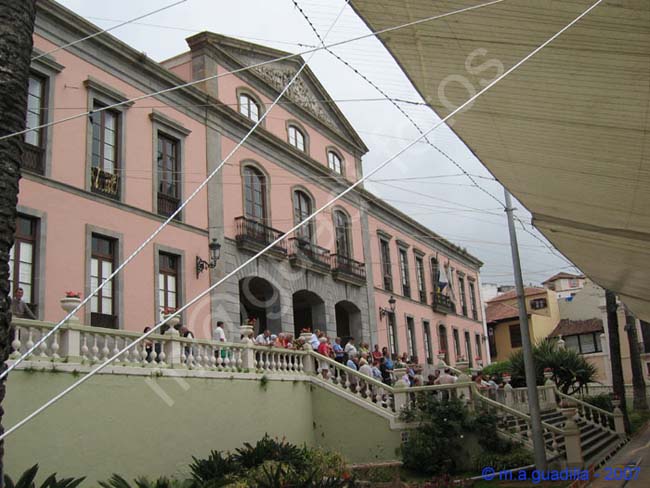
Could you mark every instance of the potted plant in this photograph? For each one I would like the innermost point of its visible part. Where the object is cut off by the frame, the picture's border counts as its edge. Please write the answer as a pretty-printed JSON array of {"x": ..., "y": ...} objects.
[
  {"x": 71, "y": 300},
  {"x": 173, "y": 321},
  {"x": 548, "y": 373},
  {"x": 247, "y": 329},
  {"x": 305, "y": 334},
  {"x": 506, "y": 377},
  {"x": 478, "y": 361}
]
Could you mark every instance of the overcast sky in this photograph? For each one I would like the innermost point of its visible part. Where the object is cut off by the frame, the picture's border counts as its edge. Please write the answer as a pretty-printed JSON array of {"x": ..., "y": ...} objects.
[{"x": 438, "y": 194}]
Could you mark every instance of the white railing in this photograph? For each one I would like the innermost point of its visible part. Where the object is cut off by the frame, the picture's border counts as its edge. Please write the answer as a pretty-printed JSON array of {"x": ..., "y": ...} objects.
[
  {"x": 75, "y": 343},
  {"x": 517, "y": 398},
  {"x": 590, "y": 413},
  {"x": 363, "y": 387},
  {"x": 517, "y": 426},
  {"x": 274, "y": 360}
]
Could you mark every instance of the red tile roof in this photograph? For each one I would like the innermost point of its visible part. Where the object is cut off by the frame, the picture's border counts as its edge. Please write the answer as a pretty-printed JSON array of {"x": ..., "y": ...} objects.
[
  {"x": 500, "y": 311},
  {"x": 567, "y": 327},
  {"x": 562, "y": 275},
  {"x": 513, "y": 294}
]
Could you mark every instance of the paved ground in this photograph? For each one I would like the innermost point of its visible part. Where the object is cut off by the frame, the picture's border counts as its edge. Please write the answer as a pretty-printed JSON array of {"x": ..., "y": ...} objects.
[{"x": 636, "y": 453}]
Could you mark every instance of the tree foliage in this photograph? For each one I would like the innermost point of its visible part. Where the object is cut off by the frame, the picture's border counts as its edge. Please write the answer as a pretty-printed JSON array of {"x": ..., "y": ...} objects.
[{"x": 571, "y": 371}]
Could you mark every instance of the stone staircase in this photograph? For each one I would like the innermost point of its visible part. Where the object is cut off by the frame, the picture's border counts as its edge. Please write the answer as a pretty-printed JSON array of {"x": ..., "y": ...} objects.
[
  {"x": 598, "y": 443},
  {"x": 594, "y": 435}
]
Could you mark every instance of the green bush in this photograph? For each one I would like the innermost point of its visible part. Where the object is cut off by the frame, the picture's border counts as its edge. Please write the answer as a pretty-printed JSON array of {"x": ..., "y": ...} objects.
[
  {"x": 269, "y": 463},
  {"x": 484, "y": 425},
  {"x": 268, "y": 449},
  {"x": 116, "y": 481},
  {"x": 435, "y": 447},
  {"x": 28, "y": 480},
  {"x": 497, "y": 369},
  {"x": 217, "y": 466},
  {"x": 515, "y": 458},
  {"x": 602, "y": 400}
]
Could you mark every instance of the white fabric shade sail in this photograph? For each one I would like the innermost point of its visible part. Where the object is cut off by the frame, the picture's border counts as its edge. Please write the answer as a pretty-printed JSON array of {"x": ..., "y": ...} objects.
[{"x": 568, "y": 133}]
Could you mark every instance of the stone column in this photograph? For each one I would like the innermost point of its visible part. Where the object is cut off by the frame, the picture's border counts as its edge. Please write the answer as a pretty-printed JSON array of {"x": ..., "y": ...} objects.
[
  {"x": 619, "y": 420},
  {"x": 310, "y": 362},
  {"x": 572, "y": 444},
  {"x": 71, "y": 345},
  {"x": 174, "y": 352}
]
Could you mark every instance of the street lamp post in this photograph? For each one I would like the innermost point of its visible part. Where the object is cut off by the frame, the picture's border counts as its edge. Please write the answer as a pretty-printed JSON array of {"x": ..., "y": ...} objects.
[{"x": 539, "y": 450}]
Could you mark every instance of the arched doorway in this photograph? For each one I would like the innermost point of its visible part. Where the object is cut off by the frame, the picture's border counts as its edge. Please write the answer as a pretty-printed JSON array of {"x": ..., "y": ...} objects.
[
  {"x": 348, "y": 321},
  {"x": 308, "y": 311},
  {"x": 259, "y": 299}
]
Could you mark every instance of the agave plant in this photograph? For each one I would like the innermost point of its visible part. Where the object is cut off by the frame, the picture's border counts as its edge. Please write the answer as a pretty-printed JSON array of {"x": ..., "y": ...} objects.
[
  {"x": 571, "y": 371},
  {"x": 27, "y": 480},
  {"x": 116, "y": 481},
  {"x": 268, "y": 449},
  {"x": 217, "y": 470}
]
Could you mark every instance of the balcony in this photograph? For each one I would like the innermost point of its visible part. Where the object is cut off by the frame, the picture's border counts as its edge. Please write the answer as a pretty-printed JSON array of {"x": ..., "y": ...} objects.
[
  {"x": 255, "y": 236},
  {"x": 104, "y": 183},
  {"x": 304, "y": 254},
  {"x": 348, "y": 270},
  {"x": 442, "y": 303},
  {"x": 167, "y": 205},
  {"x": 33, "y": 159}
]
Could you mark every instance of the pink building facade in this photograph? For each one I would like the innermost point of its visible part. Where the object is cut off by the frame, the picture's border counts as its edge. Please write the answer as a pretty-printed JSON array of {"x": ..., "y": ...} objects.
[{"x": 95, "y": 187}]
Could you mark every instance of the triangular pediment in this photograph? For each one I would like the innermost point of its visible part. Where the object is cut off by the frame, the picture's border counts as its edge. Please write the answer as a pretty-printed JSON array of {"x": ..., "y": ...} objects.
[{"x": 305, "y": 92}]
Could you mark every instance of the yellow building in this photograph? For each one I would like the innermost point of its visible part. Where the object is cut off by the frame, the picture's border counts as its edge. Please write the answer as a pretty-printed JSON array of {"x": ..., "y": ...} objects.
[{"x": 502, "y": 316}]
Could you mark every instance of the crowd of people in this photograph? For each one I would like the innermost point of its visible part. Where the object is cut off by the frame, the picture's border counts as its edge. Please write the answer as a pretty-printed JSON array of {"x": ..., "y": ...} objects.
[
  {"x": 375, "y": 363},
  {"x": 390, "y": 369}
]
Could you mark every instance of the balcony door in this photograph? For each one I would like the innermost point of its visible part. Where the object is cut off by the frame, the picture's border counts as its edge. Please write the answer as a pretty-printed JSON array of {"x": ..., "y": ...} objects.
[{"x": 255, "y": 194}]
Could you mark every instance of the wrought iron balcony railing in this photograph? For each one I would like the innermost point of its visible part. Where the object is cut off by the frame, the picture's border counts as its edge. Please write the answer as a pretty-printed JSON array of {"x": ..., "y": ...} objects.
[
  {"x": 442, "y": 303},
  {"x": 167, "y": 205},
  {"x": 300, "y": 248},
  {"x": 33, "y": 159},
  {"x": 348, "y": 267},
  {"x": 104, "y": 183},
  {"x": 251, "y": 232}
]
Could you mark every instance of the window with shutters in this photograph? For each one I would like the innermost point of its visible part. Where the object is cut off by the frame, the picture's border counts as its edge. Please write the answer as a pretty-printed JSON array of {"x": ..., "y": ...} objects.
[
  {"x": 404, "y": 272},
  {"x": 105, "y": 168},
  {"x": 22, "y": 260},
  {"x": 255, "y": 194},
  {"x": 102, "y": 262},
  {"x": 35, "y": 140},
  {"x": 386, "y": 265},
  {"x": 168, "y": 282},
  {"x": 419, "y": 271},
  {"x": 302, "y": 208}
]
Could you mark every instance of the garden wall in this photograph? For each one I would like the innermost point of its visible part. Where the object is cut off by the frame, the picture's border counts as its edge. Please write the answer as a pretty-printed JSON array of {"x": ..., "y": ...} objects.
[{"x": 152, "y": 426}]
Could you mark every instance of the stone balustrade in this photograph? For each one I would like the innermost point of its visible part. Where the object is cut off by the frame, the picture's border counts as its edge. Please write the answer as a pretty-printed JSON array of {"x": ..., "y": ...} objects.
[
  {"x": 518, "y": 426},
  {"x": 88, "y": 346},
  {"x": 517, "y": 398}
]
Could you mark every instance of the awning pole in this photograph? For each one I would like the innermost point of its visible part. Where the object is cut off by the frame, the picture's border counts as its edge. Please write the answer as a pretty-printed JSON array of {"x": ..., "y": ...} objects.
[{"x": 539, "y": 450}]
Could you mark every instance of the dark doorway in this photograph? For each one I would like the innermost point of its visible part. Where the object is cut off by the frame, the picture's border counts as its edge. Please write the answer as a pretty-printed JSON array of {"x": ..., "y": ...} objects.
[
  {"x": 468, "y": 348},
  {"x": 308, "y": 311},
  {"x": 348, "y": 321},
  {"x": 444, "y": 343},
  {"x": 260, "y": 300}
]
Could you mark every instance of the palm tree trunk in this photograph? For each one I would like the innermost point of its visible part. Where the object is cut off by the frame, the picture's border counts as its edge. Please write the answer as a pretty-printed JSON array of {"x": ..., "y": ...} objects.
[
  {"x": 618, "y": 383},
  {"x": 16, "y": 30},
  {"x": 640, "y": 400}
]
